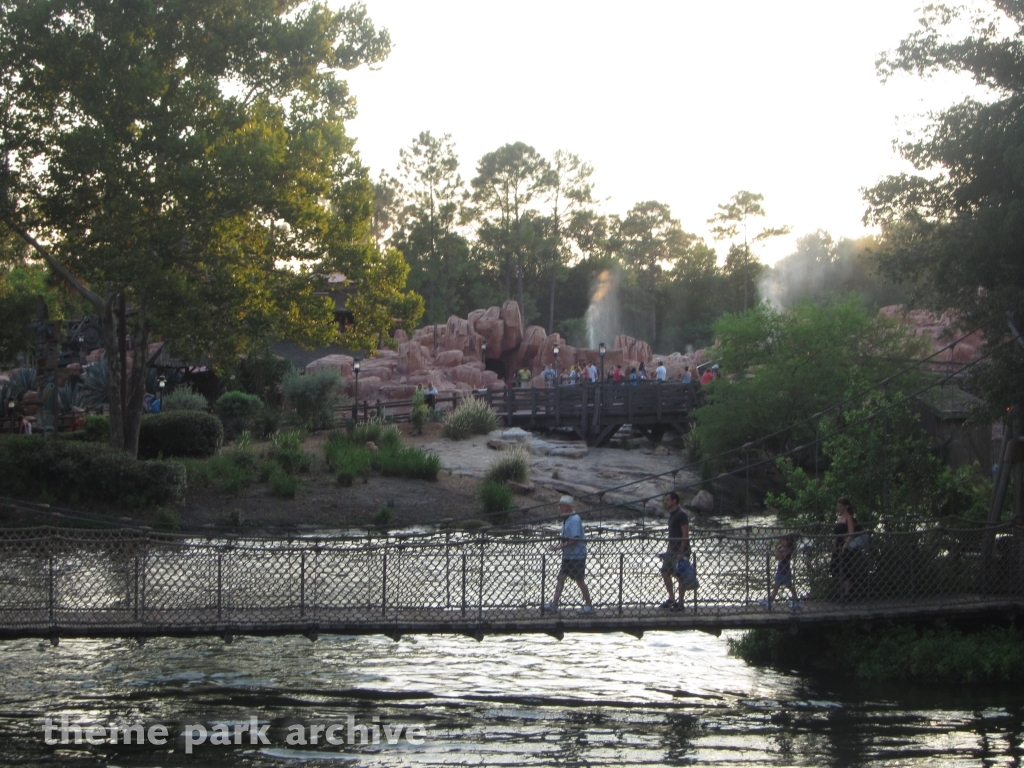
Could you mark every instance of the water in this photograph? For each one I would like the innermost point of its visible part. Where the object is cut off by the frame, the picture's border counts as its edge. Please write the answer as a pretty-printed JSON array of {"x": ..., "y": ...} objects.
[
  {"x": 596, "y": 700},
  {"x": 602, "y": 316}
]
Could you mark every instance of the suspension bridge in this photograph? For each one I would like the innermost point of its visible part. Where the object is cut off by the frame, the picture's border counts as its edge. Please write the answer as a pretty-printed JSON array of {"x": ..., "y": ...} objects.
[{"x": 62, "y": 583}]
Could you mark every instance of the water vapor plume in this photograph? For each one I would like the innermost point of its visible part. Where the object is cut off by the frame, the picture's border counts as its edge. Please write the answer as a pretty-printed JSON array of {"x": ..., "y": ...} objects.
[{"x": 603, "y": 320}]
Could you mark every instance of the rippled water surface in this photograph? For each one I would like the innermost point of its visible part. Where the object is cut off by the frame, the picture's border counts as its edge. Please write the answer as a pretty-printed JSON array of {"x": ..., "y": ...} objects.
[{"x": 666, "y": 699}]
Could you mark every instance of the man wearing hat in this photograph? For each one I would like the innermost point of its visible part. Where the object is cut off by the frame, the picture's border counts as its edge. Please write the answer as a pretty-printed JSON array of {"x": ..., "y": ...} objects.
[{"x": 574, "y": 555}]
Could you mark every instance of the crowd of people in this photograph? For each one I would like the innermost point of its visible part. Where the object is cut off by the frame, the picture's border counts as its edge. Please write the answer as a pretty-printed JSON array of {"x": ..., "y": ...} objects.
[
  {"x": 589, "y": 374},
  {"x": 677, "y": 568}
]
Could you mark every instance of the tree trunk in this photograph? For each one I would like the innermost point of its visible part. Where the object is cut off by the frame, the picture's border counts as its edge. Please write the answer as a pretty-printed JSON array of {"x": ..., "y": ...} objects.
[
  {"x": 126, "y": 388},
  {"x": 551, "y": 306}
]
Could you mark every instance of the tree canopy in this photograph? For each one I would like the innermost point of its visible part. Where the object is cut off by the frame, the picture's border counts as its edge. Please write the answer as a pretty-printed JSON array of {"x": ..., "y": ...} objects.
[
  {"x": 185, "y": 167},
  {"x": 956, "y": 227}
]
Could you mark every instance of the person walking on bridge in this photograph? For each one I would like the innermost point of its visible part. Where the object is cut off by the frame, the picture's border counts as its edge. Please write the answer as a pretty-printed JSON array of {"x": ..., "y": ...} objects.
[
  {"x": 678, "y": 548},
  {"x": 574, "y": 555}
]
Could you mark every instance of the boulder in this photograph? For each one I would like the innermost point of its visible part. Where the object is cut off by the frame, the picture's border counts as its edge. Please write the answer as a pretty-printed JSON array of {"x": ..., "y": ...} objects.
[
  {"x": 369, "y": 388},
  {"x": 938, "y": 331},
  {"x": 401, "y": 336},
  {"x": 533, "y": 340},
  {"x": 492, "y": 330},
  {"x": 564, "y": 450},
  {"x": 703, "y": 502},
  {"x": 412, "y": 357},
  {"x": 467, "y": 374},
  {"x": 633, "y": 349},
  {"x": 487, "y": 378},
  {"x": 396, "y": 391},
  {"x": 546, "y": 355},
  {"x": 340, "y": 363},
  {"x": 500, "y": 439},
  {"x": 512, "y": 319},
  {"x": 449, "y": 358},
  {"x": 520, "y": 489}
]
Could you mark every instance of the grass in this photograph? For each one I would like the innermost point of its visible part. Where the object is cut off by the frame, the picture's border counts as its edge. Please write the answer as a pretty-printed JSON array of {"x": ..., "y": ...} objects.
[
  {"x": 496, "y": 497},
  {"x": 282, "y": 484},
  {"x": 513, "y": 464},
  {"x": 227, "y": 472},
  {"x": 349, "y": 458},
  {"x": 472, "y": 417}
]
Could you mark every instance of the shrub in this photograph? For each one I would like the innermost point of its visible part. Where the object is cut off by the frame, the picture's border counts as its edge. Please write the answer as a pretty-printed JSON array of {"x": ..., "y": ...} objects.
[
  {"x": 228, "y": 475},
  {"x": 513, "y": 464},
  {"x": 382, "y": 434},
  {"x": 61, "y": 470},
  {"x": 282, "y": 484},
  {"x": 180, "y": 433},
  {"x": 418, "y": 417},
  {"x": 415, "y": 463},
  {"x": 95, "y": 430},
  {"x": 95, "y": 382},
  {"x": 183, "y": 398},
  {"x": 496, "y": 497},
  {"x": 237, "y": 411},
  {"x": 316, "y": 397},
  {"x": 347, "y": 459},
  {"x": 268, "y": 421},
  {"x": 385, "y": 514},
  {"x": 472, "y": 417},
  {"x": 292, "y": 461}
]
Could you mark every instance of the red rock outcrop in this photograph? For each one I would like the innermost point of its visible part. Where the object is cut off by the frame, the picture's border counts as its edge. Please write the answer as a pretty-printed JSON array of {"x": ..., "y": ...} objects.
[
  {"x": 633, "y": 349},
  {"x": 939, "y": 331}
]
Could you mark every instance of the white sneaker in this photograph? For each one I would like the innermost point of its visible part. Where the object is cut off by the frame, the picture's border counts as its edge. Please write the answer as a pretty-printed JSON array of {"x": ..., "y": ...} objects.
[
  {"x": 794, "y": 605},
  {"x": 764, "y": 603},
  {"x": 549, "y": 607},
  {"x": 587, "y": 609}
]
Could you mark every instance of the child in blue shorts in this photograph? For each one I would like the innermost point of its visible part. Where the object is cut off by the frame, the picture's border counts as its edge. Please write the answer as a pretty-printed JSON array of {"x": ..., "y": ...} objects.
[{"x": 783, "y": 572}]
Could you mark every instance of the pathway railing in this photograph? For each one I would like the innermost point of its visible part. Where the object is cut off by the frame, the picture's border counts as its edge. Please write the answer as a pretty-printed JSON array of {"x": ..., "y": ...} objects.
[{"x": 60, "y": 581}]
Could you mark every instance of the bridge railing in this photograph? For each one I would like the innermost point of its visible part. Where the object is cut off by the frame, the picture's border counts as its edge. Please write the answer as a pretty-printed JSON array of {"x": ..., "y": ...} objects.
[{"x": 56, "y": 580}]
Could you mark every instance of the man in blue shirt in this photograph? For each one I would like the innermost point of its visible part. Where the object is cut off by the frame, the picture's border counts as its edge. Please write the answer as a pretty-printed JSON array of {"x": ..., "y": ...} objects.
[{"x": 574, "y": 555}]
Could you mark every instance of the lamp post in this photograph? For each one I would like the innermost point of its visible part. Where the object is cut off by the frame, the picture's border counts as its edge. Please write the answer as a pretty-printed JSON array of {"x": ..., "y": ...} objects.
[
  {"x": 554, "y": 351},
  {"x": 11, "y": 405},
  {"x": 483, "y": 352},
  {"x": 161, "y": 383},
  {"x": 601, "y": 349},
  {"x": 355, "y": 394}
]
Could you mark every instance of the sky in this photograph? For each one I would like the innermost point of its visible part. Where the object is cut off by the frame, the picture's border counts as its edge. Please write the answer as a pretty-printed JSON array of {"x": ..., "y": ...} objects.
[{"x": 681, "y": 102}]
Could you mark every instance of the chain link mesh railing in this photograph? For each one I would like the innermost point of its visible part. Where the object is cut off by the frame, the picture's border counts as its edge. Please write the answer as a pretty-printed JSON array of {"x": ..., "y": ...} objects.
[{"x": 61, "y": 581}]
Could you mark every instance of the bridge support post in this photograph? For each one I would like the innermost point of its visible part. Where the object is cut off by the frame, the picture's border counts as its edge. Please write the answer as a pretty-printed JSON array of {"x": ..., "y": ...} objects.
[
  {"x": 220, "y": 585},
  {"x": 302, "y": 585},
  {"x": 463, "y": 583},
  {"x": 384, "y": 584},
  {"x": 543, "y": 581},
  {"x": 622, "y": 561}
]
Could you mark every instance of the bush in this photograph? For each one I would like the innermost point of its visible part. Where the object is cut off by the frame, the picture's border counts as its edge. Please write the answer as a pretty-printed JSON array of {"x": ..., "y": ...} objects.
[
  {"x": 286, "y": 451},
  {"x": 237, "y": 411},
  {"x": 496, "y": 497},
  {"x": 282, "y": 484},
  {"x": 268, "y": 421},
  {"x": 377, "y": 431},
  {"x": 513, "y": 464},
  {"x": 180, "y": 433},
  {"x": 228, "y": 475},
  {"x": 347, "y": 459},
  {"x": 472, "y": 417},
  {"x": 95, "y": 430},
  {"x": 75, "y": 473},
  {"x": 183, "y": 398},
  {"x": 415, "y": 463},
  {"x": 316, "y": 397},
  {"x": 384, "y": 515}
]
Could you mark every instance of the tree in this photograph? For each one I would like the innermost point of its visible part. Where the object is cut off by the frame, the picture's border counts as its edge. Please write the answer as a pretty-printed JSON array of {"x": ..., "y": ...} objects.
[
  {"x": 570, "y": 193},
  {"x": 507, "y": 182},
  {"x": 380, "y": 303},
  {"x": 788, "y": 365},
  {"x": 184, "y": 167},
  {"x": 956, "y": 228},
  {"x": 433, "y": 194},
  {"x": 648, "y": 240},
  {"x": 731, "y": 220}
]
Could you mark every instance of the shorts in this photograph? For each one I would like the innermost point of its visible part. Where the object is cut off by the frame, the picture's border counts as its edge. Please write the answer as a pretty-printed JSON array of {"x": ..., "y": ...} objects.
[
  {"x": 669, "y": 560},
  {"x": 574, "y": 569},
  {"x": 784, "y": 579}
]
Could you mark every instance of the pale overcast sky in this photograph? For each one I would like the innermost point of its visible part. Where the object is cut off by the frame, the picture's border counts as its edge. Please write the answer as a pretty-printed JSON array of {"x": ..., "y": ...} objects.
[{"x": 682, "y": 102}]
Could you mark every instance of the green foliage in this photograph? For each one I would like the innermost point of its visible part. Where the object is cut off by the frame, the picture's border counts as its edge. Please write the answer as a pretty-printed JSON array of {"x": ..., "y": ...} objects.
[
  {"x": 167, "y": 520},
  {"x": 415, "y": 463},
  {"x": 96, "y": 429},
  {"x": 954, "y": 229},
  {"x": 283, "y": 484},
  {"x": 77, "y": 473},
  {"x": 376, "y": 431},
  {"x": 895, "y": 652},
  {"x": 237, "y": 411},
  {"x": 347, "y": 458},
  {"x": 227, "y": 472},
  {"x": 183, "y": 398},
  {"x": 513, "y": 464},
  {"x": 315, "y": 397},
  {"x": 380, "y": 303},
  {"x": 496, "y": 497},
  {"x": 21, "y": 380},
  {"x": 789, "y": 365},
  {"x": 472, "y": 417},
  {"x": 885, "y": 467},
  {"x": 384, "y": 515},
  {"x": 180, "y": 433},
  {"x": 261, "y": 373},
  {"x": 96, "y": 383},
  {"x": 418, "y": 417}
]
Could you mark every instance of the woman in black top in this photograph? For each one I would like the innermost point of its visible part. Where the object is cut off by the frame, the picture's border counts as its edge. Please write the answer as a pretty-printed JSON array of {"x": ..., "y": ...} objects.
[{"x": 841, "y": 552}]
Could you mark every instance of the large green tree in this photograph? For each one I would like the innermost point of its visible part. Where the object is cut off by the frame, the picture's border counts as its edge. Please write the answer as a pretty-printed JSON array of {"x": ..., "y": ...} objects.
[
  {"x": 508, "y": 181},
  {"x": 184, "y": 167},
  {"x": 956, "y": 227},
  {"x": 648, "y": 240}
]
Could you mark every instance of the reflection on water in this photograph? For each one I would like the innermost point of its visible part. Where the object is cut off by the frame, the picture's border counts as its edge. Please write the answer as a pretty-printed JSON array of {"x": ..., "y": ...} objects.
[{"x": 596, "y": 700}]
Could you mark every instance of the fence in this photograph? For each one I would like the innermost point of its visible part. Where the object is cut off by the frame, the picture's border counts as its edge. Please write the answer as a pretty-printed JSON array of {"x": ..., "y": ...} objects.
[{"x": 59, "y": 581}]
